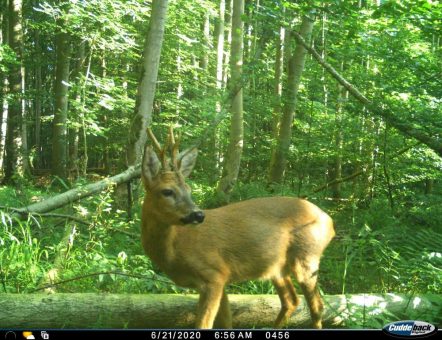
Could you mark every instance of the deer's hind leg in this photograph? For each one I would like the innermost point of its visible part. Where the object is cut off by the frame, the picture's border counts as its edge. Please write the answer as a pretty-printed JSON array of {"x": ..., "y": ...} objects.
[
  {"x": 288, "y": 297},
  {"x": 306, "y": 273}
]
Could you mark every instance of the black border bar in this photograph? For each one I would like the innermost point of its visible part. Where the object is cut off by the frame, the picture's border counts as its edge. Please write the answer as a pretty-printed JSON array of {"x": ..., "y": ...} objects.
[{"x": 191, "y": 334}]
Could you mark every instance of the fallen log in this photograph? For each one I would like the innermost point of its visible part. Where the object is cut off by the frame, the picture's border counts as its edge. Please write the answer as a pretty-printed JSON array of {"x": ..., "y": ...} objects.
[
  {"x": 88, "y": 310},
  {"x": 73, "y": 195}
]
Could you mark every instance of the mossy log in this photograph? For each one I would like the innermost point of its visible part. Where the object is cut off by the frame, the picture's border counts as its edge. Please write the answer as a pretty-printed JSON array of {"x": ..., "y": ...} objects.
[{"x": 88, "y": 310}]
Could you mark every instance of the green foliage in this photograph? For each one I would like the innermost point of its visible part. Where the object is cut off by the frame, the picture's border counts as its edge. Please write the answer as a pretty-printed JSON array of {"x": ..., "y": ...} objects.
[
  {"x": 384, "y": 253},
  {"x": 7, "y": 58}
]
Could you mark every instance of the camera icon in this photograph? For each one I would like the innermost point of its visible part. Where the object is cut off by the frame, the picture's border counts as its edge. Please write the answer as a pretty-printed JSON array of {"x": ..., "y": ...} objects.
[{"x": 44, "y": 335}]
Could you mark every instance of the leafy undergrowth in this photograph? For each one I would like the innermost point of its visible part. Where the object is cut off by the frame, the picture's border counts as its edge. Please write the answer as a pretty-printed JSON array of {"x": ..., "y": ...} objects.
[{"x": 376, "y": 250}]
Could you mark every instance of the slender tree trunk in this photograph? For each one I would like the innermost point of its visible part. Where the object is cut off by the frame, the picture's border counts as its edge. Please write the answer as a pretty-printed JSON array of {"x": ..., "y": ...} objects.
[
  {"x": 105, "y": 139},
  {"x": 59, "y": 130},
  {"x": 179, "y": 89},
  {"x": 220, "y": 46},
  {"x": 13, "y": 132},
  {"x": 38, "y": 102},
  {"x": 228, "y": 37},
  {"x": 3, "y": 78},
  {"x": 219, "y": 71},
  {"x": 204, "y": 63},
  {"x": 24, "y": 124},
  {"x": 336, "y": 170},
  {"x": 295, "y": 68},
  {"x": 277, "y": 87},
  {"x": 74, "y": 133},
  {"x": 84, "y": 158},
  {"x": 146, "y": 87},
  {"x": 234, "y": 150},
  {"x": 429, "y": 186}
]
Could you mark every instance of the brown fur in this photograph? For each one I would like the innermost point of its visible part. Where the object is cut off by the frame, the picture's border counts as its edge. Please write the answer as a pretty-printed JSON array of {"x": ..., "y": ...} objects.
[{"x": 269, "y": 238}]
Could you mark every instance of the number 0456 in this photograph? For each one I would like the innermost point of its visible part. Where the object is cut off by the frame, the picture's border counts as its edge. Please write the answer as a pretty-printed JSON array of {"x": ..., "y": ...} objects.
[{"x": 277, "y": 335}]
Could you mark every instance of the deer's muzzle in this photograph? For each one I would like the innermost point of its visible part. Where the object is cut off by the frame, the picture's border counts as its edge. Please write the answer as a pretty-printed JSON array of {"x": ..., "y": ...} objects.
[{"x": 194, "y": 217}]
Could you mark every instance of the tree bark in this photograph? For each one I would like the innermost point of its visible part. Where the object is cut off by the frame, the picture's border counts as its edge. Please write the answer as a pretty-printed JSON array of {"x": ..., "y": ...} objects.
[
  {"x": 146, "y": 87},
  {"x": 295, "y": 69},
  {"x": 228, "y": 36},
  {"x": 88, "y": 310},
  {"x": 37, "y": 99},
  {"x": 4, "y": 27},
  {"x": 59, "y": 129},
  {"x": 74, "y": 133},
  {"x": 13, "y": 140},
  {"x": 336, "y": 167},
  {"x": 214, "y": 140},
  {"x": 204, "y": 61},
  {"x": 73, "y": 195},
  {"x": 429, "y": 186},
  {"x": 220, "y": 46},
  {"x": 277, "y": 86},
  {"x": 234, "y": 150},
  {"x": 403, "y": 126}
]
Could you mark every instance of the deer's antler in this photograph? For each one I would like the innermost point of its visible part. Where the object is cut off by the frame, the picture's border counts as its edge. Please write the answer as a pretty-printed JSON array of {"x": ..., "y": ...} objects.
[
  {"x": 161, "y": 152},
  {"x": 174, "y": 148}
]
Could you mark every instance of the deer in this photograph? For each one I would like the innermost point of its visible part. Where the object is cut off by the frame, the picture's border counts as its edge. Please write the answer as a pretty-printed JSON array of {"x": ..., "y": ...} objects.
[{"x": 262, "y": 238}]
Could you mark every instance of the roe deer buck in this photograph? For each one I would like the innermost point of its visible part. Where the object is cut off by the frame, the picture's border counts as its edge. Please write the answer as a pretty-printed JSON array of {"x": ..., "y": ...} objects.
[{"x": 269, "y": 238}]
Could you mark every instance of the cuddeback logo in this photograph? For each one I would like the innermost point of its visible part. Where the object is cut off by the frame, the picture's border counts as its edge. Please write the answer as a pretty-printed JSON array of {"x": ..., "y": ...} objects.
[{"x": 410, "y": 328}]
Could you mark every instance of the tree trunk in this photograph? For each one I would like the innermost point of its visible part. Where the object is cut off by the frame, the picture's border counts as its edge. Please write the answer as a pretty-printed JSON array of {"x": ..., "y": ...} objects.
[
  {"x": 82, "y": 140},
  {"x": 220, "y": 46},
  {"x": 228, "y": 36},
  {"x": 336, "y": 167},
  {"x": 73, "y": 195},
  {"x": 3, "y": 78},
  {"x": 24, "y": 126},
  {"x": 204, "y": 62},
  {"x": 429, "y": 186},
  {"x": 179, "y": 88},
  {"x": 126, "y": 311},
  {"x": 215, "y": 150},
  {"x": 234, "y": 150},
  {"x": 146, "y": 87},
  {"x": 277, "y": 87},
  {"x": 74, "y": 133},
  {"x": 38, "y": 101},
  {"x": 13, "y": 140},
  {"x": 295, "y": 68},
  {"x": 59, "y": 130}
]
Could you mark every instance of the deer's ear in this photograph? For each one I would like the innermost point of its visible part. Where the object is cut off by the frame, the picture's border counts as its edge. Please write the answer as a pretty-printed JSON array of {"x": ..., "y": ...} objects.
[
  {"x": 186, "y": 161},
  {"x": 150, "y": 166}
]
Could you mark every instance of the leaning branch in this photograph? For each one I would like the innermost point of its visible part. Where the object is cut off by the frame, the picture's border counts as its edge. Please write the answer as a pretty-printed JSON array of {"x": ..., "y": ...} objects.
[
  {"x": 76, "y": 194},
  {"x": 408, "y": 129}
]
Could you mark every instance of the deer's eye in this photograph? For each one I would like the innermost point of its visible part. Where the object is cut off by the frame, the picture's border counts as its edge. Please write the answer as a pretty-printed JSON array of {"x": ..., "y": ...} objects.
[{"x": 167, "y": 192}]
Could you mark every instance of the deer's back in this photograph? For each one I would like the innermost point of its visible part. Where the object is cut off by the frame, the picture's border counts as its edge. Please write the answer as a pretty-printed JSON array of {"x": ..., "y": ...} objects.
[{"x": 257, "y": 238}]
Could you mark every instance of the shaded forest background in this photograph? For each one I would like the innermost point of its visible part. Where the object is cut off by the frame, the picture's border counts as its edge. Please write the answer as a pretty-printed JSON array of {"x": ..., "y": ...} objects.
[{"x": 272, "y": 122}]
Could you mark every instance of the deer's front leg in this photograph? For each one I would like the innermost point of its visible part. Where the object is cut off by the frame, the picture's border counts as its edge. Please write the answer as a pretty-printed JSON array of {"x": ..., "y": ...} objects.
[{"x": 208, "y": 305}]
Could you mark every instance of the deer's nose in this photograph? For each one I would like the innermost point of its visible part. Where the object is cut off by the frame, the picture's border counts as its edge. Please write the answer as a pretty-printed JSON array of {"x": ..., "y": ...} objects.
[
  {"x": 198, "y": 216},
  {"x": 194, "y": 217}
]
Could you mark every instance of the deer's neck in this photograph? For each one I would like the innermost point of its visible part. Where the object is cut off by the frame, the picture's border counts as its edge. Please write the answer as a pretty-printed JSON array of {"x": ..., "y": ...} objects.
[{"x": 158, "y": 240}]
